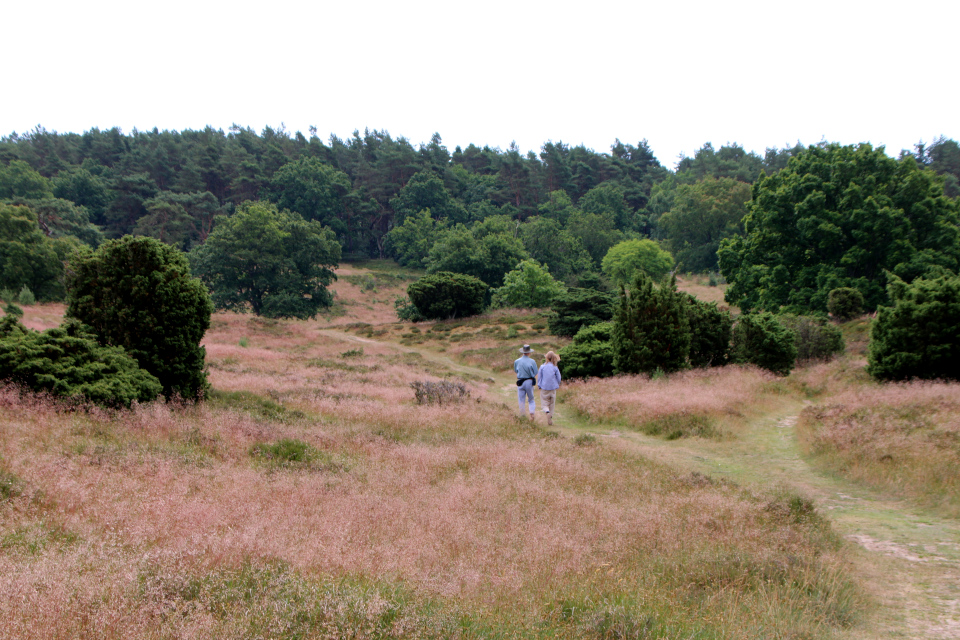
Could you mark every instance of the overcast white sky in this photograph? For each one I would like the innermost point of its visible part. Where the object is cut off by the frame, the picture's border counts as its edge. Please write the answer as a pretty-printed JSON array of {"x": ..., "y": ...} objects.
[{"x": 760, "y": 73}]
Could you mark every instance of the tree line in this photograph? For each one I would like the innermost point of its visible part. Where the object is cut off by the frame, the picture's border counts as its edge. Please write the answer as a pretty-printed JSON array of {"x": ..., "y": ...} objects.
[
  {"x": 171, "y": 185},
  {"x": 425, "y": 206}
]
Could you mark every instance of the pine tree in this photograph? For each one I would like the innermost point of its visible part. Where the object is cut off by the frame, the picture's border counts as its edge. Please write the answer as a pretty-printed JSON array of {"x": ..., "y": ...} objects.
[{"x": 651, "y": 330}]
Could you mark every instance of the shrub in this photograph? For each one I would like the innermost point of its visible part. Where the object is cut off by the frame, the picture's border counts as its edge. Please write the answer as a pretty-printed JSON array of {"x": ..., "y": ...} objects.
[
  {"x": 443, "y": 392},
  {"x": 919, "y": 336},
  {"x": 579, "y": 308},
  {"x": 845, "y": 303},
  {"x": 816, "y": 338},
  {"x": 406, "y": 310},
  {"x": 137, "y": 293},
  {"x": 709, "y": 333},
  {"x": 591, "y": 354},
  {"x": 67, "y": 361},
  {"x": 760, "y": 339},
  {"x": 26, "y": 297},
  {"x": 7, "y": 295},
  {"x": 13, "y": 310},
  {"x": 650, "y": 328},
  {"x": 448, "y": 295}
]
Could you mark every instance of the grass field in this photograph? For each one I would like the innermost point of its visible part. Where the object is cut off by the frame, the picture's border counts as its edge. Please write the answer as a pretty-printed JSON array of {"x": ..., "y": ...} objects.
[{"x": 311, "y": 497}]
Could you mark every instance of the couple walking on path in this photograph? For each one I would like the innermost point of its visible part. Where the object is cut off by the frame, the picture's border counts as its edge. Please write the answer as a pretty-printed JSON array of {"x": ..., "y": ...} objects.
[{"x": 547, "y": 377}]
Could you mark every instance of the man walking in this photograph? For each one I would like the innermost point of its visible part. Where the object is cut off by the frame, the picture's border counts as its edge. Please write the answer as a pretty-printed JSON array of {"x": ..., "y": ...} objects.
[{"x": 526, "y": 369}]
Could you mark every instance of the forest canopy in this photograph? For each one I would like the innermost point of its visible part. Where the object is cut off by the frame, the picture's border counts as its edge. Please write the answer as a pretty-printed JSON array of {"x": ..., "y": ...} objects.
[{"x": 476, "y": 210}]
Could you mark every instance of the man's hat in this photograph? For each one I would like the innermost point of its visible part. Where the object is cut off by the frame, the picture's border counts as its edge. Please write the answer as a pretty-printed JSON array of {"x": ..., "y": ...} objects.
[{"x": 526, "y": 349}]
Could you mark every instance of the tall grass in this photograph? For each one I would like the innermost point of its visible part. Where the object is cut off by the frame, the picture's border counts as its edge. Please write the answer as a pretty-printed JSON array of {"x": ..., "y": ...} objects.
[
  {"x": 217, "y": 520},
  {"x": 900, "y": 438},
  {"x": 705, "y": 402}
]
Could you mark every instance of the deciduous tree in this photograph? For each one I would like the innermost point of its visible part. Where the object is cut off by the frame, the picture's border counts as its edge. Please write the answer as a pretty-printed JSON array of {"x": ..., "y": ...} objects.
[
  {"x": 529, "y": 285},
  {"x": 624, "y": 260},
  {"x": 839, "y": 217},
  {"x": 273, "y": 261},
  {"x": 703, "y": 214}
]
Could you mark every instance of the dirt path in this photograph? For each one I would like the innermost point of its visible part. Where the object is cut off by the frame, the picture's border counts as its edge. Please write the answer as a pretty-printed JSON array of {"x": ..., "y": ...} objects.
[{"x": 908, "y": 560}]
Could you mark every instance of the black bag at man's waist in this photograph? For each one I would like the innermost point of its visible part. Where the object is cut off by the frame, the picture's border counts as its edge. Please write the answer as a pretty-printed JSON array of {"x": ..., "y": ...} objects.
[{"x": 520, "y": 381}]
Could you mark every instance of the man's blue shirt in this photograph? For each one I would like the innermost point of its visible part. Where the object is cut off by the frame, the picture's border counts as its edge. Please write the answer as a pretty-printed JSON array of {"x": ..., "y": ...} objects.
[{"x": 525, "y": 367}]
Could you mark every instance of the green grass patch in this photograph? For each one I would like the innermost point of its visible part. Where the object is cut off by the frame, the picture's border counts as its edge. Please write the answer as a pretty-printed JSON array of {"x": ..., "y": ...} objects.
[
  {"x": 296, "y": 454},
  {"x": 585, "y": 440},
  {"x": 323, "y": 363},
  {"x": 36, "y": 537},
  {"x": 273, "y": 601},
  {"x": 255, "y": 405},
  {"x": 680, "y": 425},
  {"x": 11, "y": 486}
]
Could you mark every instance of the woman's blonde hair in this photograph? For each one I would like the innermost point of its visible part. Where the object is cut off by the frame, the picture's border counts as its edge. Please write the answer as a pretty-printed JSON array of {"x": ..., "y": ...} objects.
[{"x": 552, "y": 357}]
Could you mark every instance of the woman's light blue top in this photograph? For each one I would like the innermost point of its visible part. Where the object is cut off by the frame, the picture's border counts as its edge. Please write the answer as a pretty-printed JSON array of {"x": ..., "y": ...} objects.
[{"x": 548, "y": 378}]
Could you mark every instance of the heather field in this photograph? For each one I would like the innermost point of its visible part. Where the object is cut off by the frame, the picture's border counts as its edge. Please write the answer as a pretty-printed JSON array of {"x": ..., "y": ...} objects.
[{"x": 312, "y": 497}]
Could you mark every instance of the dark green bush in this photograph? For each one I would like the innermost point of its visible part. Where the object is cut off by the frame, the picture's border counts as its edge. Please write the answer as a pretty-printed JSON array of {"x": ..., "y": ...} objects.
[
  {"x": 137, "y": 293},
  {"x": 580, "y": 308},
  {"x": 590, "y": 354},
  {"x": 816, "y": 338},
  {"x": 919, "y": 336},
  {"x": 710, "y": 330},
  {"x": 760, "y": 339},
  {"x": 845, "y": 303},
  {"x": 13, "y": 310},
  {"x": 68, "y": 362},
  {"x": 651, "y": 330},
  {"x": 448, "y": 295}
]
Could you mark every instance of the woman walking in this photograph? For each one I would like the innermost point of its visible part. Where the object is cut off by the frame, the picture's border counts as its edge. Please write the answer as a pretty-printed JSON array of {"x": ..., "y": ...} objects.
[{"x": 548, "y": 379}]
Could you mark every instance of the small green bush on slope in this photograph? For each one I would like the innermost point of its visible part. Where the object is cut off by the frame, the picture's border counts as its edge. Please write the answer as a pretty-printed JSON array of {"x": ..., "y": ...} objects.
[
  {"x": 445, "y": 294},
  {"x": 67, "y": 361},
  {"x": 760, "y": 339},
  {"x": 590, "y": 354},
  {"x": 816, "y": 338},
  {"x": 710, "y": 330}
]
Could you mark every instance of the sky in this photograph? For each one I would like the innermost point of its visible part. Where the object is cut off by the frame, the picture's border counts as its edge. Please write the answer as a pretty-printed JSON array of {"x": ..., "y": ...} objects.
[{"x": 677, "y": 74}]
